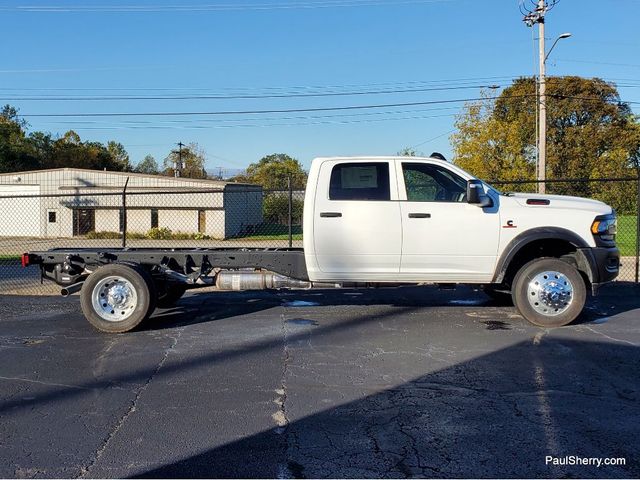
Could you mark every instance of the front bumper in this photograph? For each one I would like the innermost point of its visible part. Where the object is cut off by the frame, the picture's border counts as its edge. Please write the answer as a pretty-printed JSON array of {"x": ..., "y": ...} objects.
[{"x": 602, "y": 265}]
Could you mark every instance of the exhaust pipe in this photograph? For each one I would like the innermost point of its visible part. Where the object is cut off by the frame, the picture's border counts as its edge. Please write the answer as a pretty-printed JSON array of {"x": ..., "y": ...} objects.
[
  {"x": 71, "y": 289},
  {"x": 228, "y": 280}
]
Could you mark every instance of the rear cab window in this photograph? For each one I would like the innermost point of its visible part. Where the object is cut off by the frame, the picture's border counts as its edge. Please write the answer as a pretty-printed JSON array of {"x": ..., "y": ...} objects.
[{"x": 360, "y": 181}]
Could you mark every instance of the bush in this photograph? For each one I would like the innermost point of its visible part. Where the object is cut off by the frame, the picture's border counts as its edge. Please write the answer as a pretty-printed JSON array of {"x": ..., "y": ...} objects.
[
  {"x": 275, "y": 208},
  {"x": 153, "y": 234},
  {"x": 159, "y": 234}
]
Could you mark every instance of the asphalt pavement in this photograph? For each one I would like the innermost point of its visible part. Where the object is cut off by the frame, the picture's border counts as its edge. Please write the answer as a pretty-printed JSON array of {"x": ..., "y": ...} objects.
[{"x": 398, "y": 382}]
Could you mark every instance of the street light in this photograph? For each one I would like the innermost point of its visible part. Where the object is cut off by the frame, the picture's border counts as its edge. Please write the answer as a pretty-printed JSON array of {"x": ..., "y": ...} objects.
[
  {"x": 542, "y": 139},
  {"x": 564, "y": 35}
]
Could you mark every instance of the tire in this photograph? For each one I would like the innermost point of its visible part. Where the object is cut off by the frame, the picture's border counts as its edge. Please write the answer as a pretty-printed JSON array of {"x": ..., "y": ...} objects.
[
  {"x": 549, "y": 292},
  {"x": 116, "y": 298},
  {"x": 170, "y": 296},
  {"x": 500, "y": 297}
]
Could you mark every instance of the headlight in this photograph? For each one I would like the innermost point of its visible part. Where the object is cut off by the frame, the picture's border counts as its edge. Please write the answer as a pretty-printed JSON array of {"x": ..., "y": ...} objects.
[{"x": 605, "y": 226}]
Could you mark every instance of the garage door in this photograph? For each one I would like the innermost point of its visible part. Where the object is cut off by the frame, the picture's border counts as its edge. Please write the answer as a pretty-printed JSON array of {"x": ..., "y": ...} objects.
[{"x": 19, "y": 211}]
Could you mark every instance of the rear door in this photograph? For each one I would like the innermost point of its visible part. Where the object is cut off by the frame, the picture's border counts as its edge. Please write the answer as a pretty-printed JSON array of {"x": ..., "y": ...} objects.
[
  {"x": 444, "y": 237},
  {"x": 357, "y": 228}
]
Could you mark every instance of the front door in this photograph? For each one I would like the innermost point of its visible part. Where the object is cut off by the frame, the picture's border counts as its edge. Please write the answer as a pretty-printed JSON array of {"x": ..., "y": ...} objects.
[
  {"x": 357, "y": 230},
  {"x": 444, "y": 238}
]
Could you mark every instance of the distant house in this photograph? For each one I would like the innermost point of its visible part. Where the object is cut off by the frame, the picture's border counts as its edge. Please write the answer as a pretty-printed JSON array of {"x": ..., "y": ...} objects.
[{"x": 68, "y": 202}]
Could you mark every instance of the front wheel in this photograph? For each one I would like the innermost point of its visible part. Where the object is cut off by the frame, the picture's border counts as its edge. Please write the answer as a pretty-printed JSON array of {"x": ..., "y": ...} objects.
[
  {"x": 549, "y": 292},
  {"x": 116, "y": 298}
]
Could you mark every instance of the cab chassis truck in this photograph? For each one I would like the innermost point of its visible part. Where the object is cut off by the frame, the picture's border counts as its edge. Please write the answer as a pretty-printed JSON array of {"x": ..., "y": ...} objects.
[{"x": 373, "y": 221}]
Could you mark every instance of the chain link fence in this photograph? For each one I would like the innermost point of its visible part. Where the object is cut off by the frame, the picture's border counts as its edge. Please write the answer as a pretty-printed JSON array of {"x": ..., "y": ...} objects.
[{"x": 204, "y": 214}]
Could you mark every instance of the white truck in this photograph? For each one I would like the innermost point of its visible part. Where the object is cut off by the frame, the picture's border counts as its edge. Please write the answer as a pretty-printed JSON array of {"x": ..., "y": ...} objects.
[{"x": 373, "y": 221}]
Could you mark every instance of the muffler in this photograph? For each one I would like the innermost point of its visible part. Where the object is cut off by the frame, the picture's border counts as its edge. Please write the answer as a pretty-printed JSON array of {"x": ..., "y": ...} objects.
[{"x": 230, "y": 280}]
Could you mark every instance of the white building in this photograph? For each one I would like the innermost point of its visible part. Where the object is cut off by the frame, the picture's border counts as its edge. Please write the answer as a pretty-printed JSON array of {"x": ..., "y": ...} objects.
[{"x": 68, "y": 202}]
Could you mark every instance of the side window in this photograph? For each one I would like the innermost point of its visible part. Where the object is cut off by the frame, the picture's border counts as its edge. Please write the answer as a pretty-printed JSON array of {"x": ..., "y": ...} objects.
[
  {"x": 360, "y": 181},
  {"x": 431, "y": 183}
]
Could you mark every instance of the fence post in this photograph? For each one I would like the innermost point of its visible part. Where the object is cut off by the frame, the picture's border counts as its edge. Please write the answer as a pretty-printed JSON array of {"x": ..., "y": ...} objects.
[
  {"x": 290, "y": 218},
  {"x": 638, "y": 229},
  {"x": 124, "y": 214}
]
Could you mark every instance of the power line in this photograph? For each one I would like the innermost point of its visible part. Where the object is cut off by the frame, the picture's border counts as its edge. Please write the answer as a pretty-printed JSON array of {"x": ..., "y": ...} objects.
[
  {"x": 263, "y": 125},
  {"x": 212, "y": 7},
  {"x": 295, "y": 110},
  {"x": 433, "y": 138},
  {"x": 249, "y": 97},
  {"x": 259, "y": 112}
]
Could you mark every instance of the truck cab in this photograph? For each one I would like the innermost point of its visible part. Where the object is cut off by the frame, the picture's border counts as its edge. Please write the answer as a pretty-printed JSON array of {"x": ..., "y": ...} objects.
[{"x": 410, "y": 219}]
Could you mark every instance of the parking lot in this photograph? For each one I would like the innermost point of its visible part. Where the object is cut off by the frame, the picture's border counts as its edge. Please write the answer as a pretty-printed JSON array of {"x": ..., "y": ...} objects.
[{"x": 398, "y": 382}]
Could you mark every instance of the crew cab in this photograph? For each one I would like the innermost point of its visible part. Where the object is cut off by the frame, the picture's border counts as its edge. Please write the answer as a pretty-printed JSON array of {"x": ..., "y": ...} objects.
[{"x": 372, "y": 221}]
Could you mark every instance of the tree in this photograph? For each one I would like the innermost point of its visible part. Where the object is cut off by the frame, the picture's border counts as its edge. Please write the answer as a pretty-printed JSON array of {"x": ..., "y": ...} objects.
[
  {"x": 193, "y": 158},
  {"x": 410, "y": 152},
  {"x": 591, "y": 133},
  {"x": 148, "y": 165},
  {"x": 39, "y": 150},
  {"x": 16, "y": 152},
  {"x": 273, "y": 171},
  {"x": 119, "y": 155}
]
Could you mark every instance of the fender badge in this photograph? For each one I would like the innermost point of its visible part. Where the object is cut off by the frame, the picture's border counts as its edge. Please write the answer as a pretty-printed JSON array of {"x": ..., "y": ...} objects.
[{"x": 509, "y": 224}]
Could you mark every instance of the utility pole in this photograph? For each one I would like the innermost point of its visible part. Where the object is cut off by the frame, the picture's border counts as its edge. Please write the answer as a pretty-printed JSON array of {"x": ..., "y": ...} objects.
[
  {"x": 542, "y": 140},
  {"x": 177, "y": 171},
  {"x": 534, "y": 11}
]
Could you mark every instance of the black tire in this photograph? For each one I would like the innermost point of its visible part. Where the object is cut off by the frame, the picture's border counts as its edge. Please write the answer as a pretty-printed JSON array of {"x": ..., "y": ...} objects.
[
  {"x": 170, "y": 296},
  {"x": 133, "y": 279},
  {"x": 500, "y": 297},
  {"x": 563, "y": 277}
]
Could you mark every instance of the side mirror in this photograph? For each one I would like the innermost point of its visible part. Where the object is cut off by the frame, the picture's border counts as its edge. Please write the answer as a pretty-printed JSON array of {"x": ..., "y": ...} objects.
[{"x": 476, "y": 195}]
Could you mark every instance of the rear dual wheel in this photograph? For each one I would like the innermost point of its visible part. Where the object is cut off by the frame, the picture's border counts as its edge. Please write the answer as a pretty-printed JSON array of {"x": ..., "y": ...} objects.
[{"x": 116, "y": 298}]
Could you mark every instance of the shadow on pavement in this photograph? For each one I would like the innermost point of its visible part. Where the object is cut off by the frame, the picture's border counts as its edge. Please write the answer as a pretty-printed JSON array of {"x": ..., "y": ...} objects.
[
  {"x": 199, "y": 307},
  {"x": 499, "y": 415}
]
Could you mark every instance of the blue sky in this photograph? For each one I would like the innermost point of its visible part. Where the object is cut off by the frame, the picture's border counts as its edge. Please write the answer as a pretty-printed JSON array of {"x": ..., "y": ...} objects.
[{"x": 167, "y": 48}]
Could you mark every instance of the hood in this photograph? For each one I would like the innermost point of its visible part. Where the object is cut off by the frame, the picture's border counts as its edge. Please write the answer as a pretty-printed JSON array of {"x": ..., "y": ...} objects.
[{"x": 562, "y": 201}]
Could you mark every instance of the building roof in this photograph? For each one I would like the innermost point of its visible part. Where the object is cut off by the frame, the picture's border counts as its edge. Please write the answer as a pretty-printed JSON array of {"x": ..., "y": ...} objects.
[{"x": 125, "y": 174}]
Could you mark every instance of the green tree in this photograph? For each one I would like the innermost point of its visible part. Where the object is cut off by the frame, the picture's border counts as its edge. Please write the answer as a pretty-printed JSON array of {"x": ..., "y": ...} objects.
[
  {"x": 590, "y": 133},
  {"x": 275, "y": 209},
  {"x": 193, "y": 159},
  {"x": 273, "y": 171},
  {"x": 148, "y": 165},
  {"x": 410, "y": 152},
  {"x": 16, "y": 153},
  {"x": 119, "y": 155}
]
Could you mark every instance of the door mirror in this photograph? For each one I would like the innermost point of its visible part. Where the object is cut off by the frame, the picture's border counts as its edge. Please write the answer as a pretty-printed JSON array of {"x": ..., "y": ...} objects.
[{"x": 476, "y": 195}]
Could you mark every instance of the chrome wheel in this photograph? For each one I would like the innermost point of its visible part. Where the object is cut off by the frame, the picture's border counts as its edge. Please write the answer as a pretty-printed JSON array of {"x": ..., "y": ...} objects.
[
  {"x": 550, "y": 293},
  {"x": 114, "y": 298}
]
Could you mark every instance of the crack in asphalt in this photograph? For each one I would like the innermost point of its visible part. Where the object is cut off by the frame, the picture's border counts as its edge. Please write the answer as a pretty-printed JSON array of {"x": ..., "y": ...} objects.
[
  {"x": 284, "y": 469},
  {"x": 39, "y": 382},
  {"x": 612, "y": 338},
  {"x": 132, "y": 408}
]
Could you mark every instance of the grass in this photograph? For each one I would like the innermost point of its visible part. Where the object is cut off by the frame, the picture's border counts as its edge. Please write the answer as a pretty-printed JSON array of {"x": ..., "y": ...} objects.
[
  {"x": 297, "y": 236},
  {"x": 10, "y": 257},
  {"x": 272, "y": 231},
  {"x": 626, "y": 236}
]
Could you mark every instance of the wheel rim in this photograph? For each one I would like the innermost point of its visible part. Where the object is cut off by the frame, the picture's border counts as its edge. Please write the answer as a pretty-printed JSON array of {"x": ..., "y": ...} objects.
[
  {"x": 114, "y": 298},
  {"x": 550, "y": 293}
]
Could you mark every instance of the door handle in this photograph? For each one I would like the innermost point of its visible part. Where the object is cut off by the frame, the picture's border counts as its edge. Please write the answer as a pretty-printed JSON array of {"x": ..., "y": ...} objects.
[
  {"x": 419, "y": 215},
  {"x": 330, "y": 214}
]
